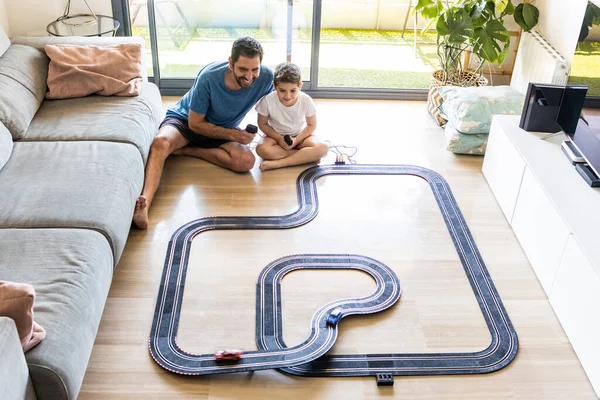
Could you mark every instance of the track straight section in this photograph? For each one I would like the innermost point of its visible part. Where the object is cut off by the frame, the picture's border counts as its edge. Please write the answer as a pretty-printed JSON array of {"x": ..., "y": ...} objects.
[{"x": 308, "y": 358}]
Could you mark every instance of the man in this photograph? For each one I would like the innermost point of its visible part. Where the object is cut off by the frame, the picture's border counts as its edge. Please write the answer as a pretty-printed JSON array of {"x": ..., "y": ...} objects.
[{"x": 204, "y": 123}]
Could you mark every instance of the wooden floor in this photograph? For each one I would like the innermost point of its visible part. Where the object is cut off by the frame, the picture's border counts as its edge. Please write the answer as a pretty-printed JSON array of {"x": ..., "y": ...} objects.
[{"x": 394, "y": 219}]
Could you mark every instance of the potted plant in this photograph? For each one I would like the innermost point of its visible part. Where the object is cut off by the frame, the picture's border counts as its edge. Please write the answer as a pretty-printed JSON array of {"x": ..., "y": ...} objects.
[{"x": 475, "y": 26}]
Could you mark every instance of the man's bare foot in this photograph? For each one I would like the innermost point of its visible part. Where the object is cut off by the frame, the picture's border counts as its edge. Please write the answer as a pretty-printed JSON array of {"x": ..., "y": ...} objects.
[
  {"x": 266, "y": 165},
  {"x": 140, "y": 215}
]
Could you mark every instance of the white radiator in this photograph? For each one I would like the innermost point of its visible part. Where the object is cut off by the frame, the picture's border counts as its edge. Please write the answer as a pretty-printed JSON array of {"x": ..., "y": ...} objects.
[{"x": 538, "y": 62}]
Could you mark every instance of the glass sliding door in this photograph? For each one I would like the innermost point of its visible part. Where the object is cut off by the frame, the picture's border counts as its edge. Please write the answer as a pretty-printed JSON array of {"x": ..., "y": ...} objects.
[
  {"x": 374, "y": 44},
  {"x": 584, "y": 67},
  {"x": 371, "y": 47},
  {"x": 192, "y": 33}
]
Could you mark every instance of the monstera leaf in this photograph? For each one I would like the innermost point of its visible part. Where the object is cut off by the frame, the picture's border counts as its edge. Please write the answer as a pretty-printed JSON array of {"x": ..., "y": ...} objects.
[
  {"x": 476, "y": 12},
  {"x": 455, "y": 25},
  {"x": 526, "y": 15},
  {"x": 501, "y": 5},
  {"x": 491, "y": 42},
  {"x": 509, "y": 9},
  {"x": 429, "y": 9},
  {"x": 504, "y": 7}
]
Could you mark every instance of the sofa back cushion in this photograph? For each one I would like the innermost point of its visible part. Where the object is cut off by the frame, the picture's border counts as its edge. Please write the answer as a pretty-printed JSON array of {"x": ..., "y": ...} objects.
[
  {"x": 6, "y": 145},
  {"x": 23, "y": 74},
  {"x": 4, "y": 41},
  {"x": 42, "y": 41}
]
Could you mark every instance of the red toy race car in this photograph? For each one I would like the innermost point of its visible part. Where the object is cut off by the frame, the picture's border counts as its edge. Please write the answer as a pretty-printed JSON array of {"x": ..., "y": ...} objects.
[{"x": 228, "y": 355}]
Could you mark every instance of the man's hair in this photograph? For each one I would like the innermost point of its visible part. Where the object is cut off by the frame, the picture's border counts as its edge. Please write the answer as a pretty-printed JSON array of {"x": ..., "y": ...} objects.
[
  {"x": 247, "y": 47},
  {"x": 287, "y": 72}
]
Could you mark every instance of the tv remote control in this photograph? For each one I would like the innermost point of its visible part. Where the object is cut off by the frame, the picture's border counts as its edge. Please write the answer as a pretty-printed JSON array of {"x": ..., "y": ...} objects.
[
  {"x": 288, "y": 140},
  {"x": 572, "y": 152}
]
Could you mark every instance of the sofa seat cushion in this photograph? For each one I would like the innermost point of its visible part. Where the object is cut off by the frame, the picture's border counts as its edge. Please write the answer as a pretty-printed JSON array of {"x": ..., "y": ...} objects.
[
  {"x": 90, "y": 185},
  {"x": 71, "y": 271},
  {"x": 23, "y": 74},
  {"x": 118, "y": 119}
]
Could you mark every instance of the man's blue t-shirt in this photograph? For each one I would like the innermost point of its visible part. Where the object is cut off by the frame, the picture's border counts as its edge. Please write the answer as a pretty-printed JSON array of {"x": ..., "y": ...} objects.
[{"x": 221, "y": 106}]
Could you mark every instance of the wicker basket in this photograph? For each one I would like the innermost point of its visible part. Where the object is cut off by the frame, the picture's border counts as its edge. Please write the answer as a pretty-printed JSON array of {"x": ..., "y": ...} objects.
[{"x": 434, "y": 98}]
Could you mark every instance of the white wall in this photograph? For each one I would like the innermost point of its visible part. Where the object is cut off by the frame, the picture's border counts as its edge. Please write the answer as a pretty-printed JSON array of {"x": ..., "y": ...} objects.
[
  {"x": 4, "y": 18},
  {"x": 560, "y": 23},
  {"x": 30, "y": 17}
]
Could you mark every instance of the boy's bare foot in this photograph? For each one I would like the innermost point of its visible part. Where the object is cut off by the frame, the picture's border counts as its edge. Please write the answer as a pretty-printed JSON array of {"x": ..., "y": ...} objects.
[
  {"x": 140, "y": 215},
  {"x": 266, "y": 165}
]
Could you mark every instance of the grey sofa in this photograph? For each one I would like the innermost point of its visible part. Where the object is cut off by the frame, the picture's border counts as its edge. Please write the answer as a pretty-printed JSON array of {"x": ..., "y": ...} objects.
[{"x": 70, "y": 172}]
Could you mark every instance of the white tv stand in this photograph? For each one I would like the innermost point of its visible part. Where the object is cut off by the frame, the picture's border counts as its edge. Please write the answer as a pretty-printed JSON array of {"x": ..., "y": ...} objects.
[{"x": 556, "y": 217}]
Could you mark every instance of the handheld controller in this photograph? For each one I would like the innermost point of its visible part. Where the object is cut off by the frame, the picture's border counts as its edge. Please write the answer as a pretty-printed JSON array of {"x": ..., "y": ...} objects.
[
  {"x": 288, "y": 140},
  {"x": 251, "y": 128}
]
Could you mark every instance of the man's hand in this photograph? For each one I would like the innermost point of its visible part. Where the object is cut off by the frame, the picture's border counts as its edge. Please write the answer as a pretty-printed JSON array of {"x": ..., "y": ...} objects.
[{"x": 243, "y": 137}]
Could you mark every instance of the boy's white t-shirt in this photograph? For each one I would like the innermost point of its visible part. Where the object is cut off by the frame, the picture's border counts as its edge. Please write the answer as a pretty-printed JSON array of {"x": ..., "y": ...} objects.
[{"x": 287, "y": 120}]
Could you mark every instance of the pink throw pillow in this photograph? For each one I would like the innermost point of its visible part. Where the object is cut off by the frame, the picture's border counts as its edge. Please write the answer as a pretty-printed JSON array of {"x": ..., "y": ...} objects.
[
  {"x": 16, "y": 302},
  {"x": 78, "y": 71}
]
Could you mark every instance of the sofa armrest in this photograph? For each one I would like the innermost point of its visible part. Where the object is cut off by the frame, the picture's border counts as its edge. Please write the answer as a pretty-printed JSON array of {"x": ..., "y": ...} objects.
[
  {"x": 15, "y": 382},
  {"x": 40, "y": 42}
]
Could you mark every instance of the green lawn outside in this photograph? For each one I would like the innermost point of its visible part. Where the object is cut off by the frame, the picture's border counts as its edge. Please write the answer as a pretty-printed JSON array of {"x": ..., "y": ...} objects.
[
  {"x": 338, "y": 77},
  {"x": 329, "y": 77},
  {"x": 585, "y": 68},
  {"x": 327, "y": 35}
]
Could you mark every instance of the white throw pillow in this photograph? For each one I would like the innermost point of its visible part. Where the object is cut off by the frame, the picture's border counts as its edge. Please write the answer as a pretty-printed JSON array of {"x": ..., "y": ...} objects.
[
  {"x": 4, "y": 41},
  {"x": 6, "y": 145}
]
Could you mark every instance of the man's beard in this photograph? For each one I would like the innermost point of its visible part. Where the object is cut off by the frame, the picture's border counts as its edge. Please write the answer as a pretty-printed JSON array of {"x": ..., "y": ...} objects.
[{"x": 244, "y": 84}]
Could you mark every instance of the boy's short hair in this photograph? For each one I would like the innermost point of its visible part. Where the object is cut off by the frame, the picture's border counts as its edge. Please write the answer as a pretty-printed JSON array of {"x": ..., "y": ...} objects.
[
  {"x": 247, "y": 47},
  {"x": 287, "y": 72}
]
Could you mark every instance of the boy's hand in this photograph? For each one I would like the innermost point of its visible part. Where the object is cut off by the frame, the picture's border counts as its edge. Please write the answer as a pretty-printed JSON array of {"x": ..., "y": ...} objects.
[{"x": 281, "y": 142}]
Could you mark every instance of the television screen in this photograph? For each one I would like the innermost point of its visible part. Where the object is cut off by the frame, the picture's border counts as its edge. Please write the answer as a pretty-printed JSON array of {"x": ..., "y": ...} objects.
[
  {"x": 570, "y": 107},
  {"x": 587, "y": 141}
]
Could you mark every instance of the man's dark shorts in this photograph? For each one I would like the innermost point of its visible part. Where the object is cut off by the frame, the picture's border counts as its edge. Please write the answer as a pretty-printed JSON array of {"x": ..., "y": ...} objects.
[{"x": 195, "y": 139}]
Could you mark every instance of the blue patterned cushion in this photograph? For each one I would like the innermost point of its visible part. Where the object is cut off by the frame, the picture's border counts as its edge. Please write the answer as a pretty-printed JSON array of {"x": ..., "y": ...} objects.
[
  {"x": 470, "y": 110},
  {"x": 461, "y": 143}
]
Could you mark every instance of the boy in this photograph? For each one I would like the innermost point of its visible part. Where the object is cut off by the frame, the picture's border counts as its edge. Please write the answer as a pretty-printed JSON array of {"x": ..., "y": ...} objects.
[{"x": 288, "y": 112}]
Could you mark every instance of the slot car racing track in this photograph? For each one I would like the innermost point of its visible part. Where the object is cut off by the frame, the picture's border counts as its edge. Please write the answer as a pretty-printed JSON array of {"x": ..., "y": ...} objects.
[{"x": 308, "y": 358}]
